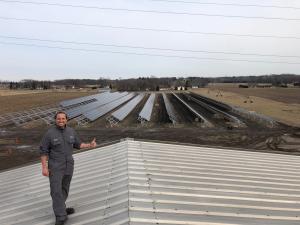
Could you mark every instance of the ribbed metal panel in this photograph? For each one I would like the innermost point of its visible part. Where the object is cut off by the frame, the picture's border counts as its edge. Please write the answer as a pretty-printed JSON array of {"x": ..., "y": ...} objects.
[
  {"x": 99, "y": 191},
  {"x": 134, "y": 182},
  {"x": 171, "y": 184}
]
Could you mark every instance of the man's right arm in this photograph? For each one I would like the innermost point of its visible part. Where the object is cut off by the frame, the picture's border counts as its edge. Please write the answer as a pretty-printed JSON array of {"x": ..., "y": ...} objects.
[
  {"x": 44, "y": 161},
  {"x": 44, "y": 153}
]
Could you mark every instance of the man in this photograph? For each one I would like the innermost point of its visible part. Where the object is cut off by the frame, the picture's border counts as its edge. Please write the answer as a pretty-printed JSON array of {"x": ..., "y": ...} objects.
[{"x": 56, "y": 148}]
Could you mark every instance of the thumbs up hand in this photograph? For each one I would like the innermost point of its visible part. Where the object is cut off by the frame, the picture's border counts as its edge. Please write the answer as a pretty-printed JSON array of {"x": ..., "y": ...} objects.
[{"x": 93, "y": 143}]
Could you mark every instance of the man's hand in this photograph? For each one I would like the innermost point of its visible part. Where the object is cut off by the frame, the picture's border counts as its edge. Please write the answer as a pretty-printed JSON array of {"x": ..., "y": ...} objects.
[
  {"x": 45, "y": 171},
  {"x": 93, "y": 143}
]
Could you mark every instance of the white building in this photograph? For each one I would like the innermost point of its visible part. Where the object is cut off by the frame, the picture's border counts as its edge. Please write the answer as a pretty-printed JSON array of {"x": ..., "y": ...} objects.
[{"x": 141, "y": 183}]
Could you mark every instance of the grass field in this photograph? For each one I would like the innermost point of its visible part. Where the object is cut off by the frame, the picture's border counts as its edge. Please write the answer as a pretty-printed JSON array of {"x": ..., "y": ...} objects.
[
  {"x": 14, "y": 101},
  {"x": 282, "y": 104},
  {"x": 285, "y": 95}
]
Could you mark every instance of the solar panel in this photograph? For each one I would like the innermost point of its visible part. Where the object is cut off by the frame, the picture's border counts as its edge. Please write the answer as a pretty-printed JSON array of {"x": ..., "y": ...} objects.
[
  {"x": 170, "y": 109},
  {"x": 98, "y": 112},
  {"x": 121, "y": 113},
  {"x": 145, "y": 114}
]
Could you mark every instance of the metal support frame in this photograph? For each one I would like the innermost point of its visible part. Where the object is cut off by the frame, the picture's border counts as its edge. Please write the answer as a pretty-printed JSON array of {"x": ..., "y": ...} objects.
[
  {"x": 143, "y": 121},
  {"x": 112, "y": 121},
  {"x": 213, "y": 109},
  {"x": 256, "y": 117},
  {"x": 20, "y": 118},
  {"x": 203, "y": 119},
  {"x": 82, "y": 121}
]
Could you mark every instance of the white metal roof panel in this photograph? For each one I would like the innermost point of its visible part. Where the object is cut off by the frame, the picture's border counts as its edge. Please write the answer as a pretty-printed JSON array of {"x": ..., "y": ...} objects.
[{"x": 135, "y": 182}]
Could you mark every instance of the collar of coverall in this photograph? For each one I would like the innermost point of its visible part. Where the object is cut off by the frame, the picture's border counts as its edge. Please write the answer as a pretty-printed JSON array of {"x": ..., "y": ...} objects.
[{"x": 61, "y": 128}]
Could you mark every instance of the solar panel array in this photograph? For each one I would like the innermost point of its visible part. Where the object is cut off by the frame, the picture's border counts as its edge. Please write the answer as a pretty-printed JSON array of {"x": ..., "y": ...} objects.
[
  {"x": 213, "y": 109},
  {"x": 121, "y": 113},
  {"x": 94, "y": 114},
  {"x": 203, "y": 119},
  {"x": 145, "y": 114},
  {"x": 102, "y": 99},
  {"x": 75, "y": 101},
  {"x": 20, "y": 118},
  {"x": 170, "y": 109}
]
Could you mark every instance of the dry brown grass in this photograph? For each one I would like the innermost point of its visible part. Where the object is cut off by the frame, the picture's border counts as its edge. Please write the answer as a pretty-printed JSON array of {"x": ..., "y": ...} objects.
[
  {"x": 284, "y": 109},
  {"x": 7, "y": 92},
  {"x": 285, "y": 95},
  {"x": 15, "y": 101}
]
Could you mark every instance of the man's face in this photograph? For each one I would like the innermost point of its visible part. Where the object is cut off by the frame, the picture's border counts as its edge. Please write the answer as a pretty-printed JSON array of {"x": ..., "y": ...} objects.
[{"x": 61, "y": 120}]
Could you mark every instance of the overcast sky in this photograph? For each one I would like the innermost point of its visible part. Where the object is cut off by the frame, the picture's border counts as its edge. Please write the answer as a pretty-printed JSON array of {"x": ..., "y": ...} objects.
[{"x": 52, "y": 58}]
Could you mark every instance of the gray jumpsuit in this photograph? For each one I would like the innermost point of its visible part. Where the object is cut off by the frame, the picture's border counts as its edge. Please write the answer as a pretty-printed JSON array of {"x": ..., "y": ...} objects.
[{"x": 58, "y": 144}]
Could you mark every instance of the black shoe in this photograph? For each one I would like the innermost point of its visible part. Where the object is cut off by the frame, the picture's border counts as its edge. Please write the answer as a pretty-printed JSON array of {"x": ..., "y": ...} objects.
[
  {"x": 61, "y": 222},
  {"x": 70, "y": 211}
]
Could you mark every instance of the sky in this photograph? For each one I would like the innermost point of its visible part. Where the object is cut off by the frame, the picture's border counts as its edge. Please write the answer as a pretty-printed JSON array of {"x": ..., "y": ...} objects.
[{"x": 120, "y": 39}]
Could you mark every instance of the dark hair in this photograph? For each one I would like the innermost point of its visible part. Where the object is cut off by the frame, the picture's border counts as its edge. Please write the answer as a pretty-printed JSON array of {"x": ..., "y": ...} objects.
[{"x": 60, "y": 112}]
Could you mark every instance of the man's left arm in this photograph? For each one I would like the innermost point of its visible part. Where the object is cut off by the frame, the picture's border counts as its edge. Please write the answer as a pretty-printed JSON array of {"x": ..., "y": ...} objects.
[
  {"x": 92, "y": 144},
  {"x": 79, "y": 145}
]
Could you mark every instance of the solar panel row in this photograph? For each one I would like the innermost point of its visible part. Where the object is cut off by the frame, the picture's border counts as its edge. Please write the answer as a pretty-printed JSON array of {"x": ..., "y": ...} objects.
[
  {"x": 170, "y": 109},
  {"x": 98, "y": 112},
  {"x": 203, "y": 119},
  {"x": 67, "y": 103},
  {"x": 146, "y": 112},
  {"x": 123, "y": 112},
  {"x": 102, "y": 99}
]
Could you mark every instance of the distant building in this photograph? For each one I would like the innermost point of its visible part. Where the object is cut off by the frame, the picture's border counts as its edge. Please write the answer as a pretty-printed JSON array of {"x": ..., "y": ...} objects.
[
  {"x": 296, "y": 84},
  {"x": 216, "y": 85},
  {"x": 180, "y": 88},
  {"x": 60, "y": 87},
  {"x": 104, "y": 89},
  {"x": 90, "y": 86},
  {"x": 263, "y": 85},
  {"x": 165, "y": 89},
  {"x": 243, "y": 86}
]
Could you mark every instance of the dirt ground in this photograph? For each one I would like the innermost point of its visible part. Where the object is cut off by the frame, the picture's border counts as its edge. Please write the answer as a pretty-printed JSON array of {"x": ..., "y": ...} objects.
[
  {"x": 14, "y": 101},
  {"x": 285, "y": 109},
  {"x": 19, "y": 145}
]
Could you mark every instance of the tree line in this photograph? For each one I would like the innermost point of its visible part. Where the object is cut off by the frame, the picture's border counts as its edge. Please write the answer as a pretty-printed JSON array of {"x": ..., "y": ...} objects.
[{"x": 150, "y": 83}]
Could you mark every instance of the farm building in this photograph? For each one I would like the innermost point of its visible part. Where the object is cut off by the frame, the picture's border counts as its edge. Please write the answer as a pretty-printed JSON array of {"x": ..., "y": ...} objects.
[
  {"x": 139, "y": 182},
  {"x": 263, "y": 85}
]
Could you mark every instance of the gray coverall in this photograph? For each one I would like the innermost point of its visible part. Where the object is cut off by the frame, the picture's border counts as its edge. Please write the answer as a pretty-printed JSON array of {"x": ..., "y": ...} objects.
[{"x": 58, "y": 145}]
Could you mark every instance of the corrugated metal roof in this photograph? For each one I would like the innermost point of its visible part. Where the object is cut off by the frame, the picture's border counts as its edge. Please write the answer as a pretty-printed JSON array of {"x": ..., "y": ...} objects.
[{"x": 135, "y": 182}]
